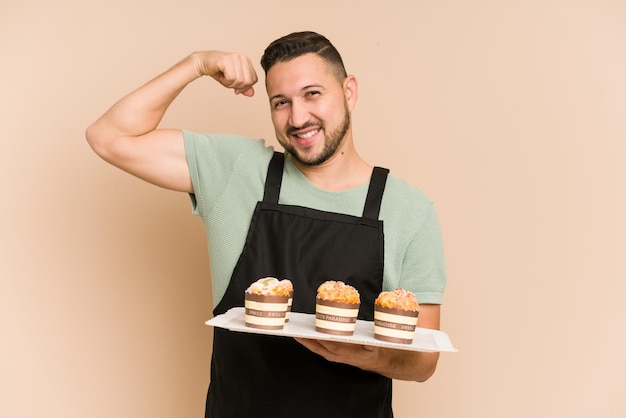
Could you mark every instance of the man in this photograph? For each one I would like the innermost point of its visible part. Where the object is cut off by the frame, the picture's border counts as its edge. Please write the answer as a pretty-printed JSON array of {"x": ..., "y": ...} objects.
[{"x": 312, "y": 214}]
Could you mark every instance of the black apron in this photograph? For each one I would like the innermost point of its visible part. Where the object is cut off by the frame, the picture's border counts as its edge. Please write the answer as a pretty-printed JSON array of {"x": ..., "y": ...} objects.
[{"x": 261, "y": 376}]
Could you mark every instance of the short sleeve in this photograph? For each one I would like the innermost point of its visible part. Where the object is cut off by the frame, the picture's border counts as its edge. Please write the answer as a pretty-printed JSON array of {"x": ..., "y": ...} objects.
[
  {"x": 424, "y": 271},
  {"x": 212, "y": 159}
]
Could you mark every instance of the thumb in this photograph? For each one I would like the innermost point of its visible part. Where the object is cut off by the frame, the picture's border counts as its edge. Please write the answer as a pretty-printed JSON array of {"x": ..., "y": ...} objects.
[{"x": 248, "y": 93}]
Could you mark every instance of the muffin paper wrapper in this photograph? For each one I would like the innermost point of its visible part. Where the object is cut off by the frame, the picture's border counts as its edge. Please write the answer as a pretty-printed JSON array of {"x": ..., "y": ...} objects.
[{"x": 302, "y": 325}]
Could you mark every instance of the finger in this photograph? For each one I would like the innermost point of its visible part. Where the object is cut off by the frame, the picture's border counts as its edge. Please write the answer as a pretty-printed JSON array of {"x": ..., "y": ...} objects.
[
  {"x": 331, "y": 347},
  {"x": 308, "y": 342},
  {"x": 238, "y": 73},
  {"x": 313, "y": 345},
  {"x": 249, "y": 92},
  {"x": 336, "y": 350}
]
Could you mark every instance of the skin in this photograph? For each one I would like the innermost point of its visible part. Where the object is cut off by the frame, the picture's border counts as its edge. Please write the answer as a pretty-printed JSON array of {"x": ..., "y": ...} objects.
[
  {"x": 307, "y": 98},
  {"x": 310, "y": 109},
  {"x": 396, "y": 364},
  {"x": 308, "y": 118}
]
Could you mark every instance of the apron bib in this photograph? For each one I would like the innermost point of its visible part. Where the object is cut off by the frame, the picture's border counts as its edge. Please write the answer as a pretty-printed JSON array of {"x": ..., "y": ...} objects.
[{"x": 263, "y": 376}]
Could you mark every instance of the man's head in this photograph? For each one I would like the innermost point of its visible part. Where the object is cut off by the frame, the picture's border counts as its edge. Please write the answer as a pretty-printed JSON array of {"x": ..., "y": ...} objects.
[
  {"x": 300, "y": 43},
  {"x": 311, "y": 97}
]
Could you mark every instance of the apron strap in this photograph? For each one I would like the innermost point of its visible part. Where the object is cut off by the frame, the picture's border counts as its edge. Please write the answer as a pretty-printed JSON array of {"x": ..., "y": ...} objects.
[
  {"x": 274, "y": 178},
  {"x": 375, "y": 193}
]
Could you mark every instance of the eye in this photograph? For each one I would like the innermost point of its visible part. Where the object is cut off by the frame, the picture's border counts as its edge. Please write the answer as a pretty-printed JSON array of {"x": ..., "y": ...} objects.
[
  {"x": 313, "y": 93},
  {"x": 279, "y": 103}
]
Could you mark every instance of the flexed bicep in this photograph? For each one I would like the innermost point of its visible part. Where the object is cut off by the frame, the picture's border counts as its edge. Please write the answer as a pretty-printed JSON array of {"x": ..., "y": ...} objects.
[
  {"x": 127, "y": 134},
  {"x": 157, "y": 157}
]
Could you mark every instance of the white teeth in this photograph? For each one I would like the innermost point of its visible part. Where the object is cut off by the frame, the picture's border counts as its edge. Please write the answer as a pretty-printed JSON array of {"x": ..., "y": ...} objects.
[{"x": 307, "y": 135}]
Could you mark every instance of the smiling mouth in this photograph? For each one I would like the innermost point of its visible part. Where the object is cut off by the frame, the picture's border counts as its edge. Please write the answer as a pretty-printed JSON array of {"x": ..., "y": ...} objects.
[{"x": 307, "y": 134}]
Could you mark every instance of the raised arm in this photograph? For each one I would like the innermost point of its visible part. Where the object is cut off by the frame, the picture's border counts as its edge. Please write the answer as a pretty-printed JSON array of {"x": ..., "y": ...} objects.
[{"x": 126, "y": 135}]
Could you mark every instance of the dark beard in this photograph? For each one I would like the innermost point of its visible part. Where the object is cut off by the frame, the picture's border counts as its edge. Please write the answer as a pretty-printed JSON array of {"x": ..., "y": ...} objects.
[{"x": 331, "y": 145}]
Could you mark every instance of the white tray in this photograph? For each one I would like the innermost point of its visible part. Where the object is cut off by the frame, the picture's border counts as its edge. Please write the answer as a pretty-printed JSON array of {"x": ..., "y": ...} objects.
[{"x": 303, "y": 326}]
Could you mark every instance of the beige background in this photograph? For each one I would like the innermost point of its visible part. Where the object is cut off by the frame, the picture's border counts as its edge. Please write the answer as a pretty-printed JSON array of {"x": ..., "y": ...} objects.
[{"x": 510, "y": 115}]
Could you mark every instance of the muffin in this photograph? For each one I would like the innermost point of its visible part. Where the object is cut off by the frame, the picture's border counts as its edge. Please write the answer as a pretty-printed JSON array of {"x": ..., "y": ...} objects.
[
  {"x": 266, "y": 303},
  {"x": 395, "y": 316},
  {"x": 336, "y": 308},
  {"x": 289, "y": 303}
]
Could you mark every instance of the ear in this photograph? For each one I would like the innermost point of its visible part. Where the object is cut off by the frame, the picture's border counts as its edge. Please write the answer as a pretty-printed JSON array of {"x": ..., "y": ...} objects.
[{"x": 351, "y": 91}]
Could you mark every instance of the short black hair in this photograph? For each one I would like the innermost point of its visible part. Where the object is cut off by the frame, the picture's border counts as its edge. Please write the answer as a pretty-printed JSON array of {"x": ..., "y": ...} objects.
[{"x": 300, "y": 43}]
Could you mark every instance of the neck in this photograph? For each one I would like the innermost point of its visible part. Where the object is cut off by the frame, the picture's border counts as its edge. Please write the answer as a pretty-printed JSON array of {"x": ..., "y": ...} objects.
[{"x": 343, "y": 170}]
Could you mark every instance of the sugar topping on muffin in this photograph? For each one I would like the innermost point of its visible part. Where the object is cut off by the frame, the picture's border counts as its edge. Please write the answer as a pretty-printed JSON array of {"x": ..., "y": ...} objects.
[
  {"x": 271, "y": 286},
  {"x": 337, "y": 291},
  {"x": 398, "y": 299}
]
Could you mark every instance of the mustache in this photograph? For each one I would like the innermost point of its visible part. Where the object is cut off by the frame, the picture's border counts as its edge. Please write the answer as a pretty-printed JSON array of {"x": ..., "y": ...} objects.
[{"x": 307, "y": 125}]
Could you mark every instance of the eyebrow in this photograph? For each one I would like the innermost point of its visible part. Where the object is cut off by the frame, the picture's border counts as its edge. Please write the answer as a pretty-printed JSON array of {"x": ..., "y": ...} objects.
[{"x": 309, "y": 86}]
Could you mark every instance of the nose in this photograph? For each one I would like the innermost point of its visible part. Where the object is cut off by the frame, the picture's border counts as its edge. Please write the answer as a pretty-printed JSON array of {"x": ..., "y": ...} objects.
[{"x": 299, "y": 114}]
